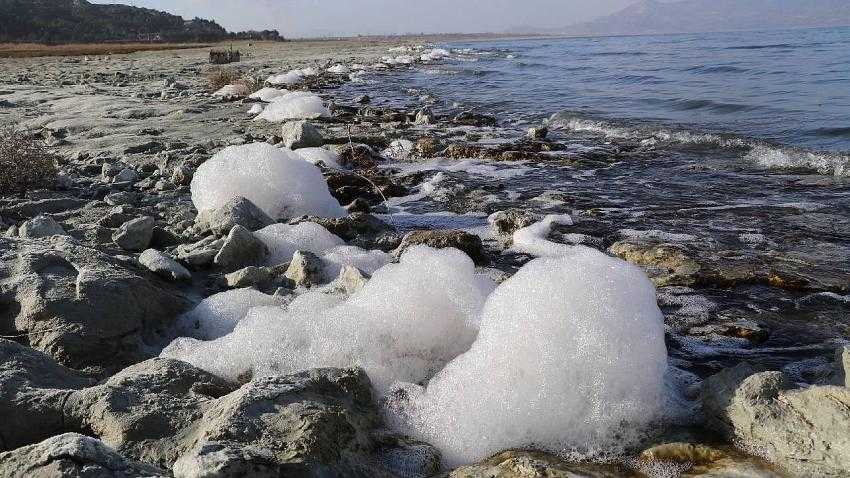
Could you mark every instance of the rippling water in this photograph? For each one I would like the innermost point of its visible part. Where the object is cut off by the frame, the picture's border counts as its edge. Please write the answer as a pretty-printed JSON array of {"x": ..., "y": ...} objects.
[{"x": 786, "y": 87}]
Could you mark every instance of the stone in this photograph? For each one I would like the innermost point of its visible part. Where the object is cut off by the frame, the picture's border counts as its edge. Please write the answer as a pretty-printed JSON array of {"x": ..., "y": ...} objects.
[
  {"x": 359, "y": 205},
  {"x": 182, "y": 175},
  {"x": 305, "y": 269},
  {"x": 164, "y": 266},
  {"x": 81, "y": 306},
  {"x": 41, "y": 226},
  {"x": 802, "y": 430},
  {"x": 538, "y": 133},
  {"x": 240, "y": 249},
  {"x": 33, "y": 389},
  {"x": 110, "y": 170},
  {"x": 349, "y": 280},
  {"x": 135, "y": 235},
  {"x": 363, "y": 99},
  {"x": 126, "y": 175},
  {"x": 507, "y": 222},
  {"x": 201, "y": 253},
  {"x": 469, "y": 118},
  {"x": 842, "y": 359},
  {"x": 358, "y": 229},
  {"x": 248, "y": 277},
  {"x": 468, "y": 243},
  {"x": 301, "y": 134},
  {"x": 534, "y": 464},
  {"x": 72, "y": 455},
  {"x": 121, "y": 198},
  {"x": 424, "y": 116},
  {"x": 427, "y": 147},
  {"x": 238, "y": 211}
]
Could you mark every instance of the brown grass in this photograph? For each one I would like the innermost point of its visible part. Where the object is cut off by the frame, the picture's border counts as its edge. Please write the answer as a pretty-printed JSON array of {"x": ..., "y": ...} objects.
[
  {"x": 25, "y": 163},
  {"x": 29, "y": 50},
  {"x": 219, "y": 77}
]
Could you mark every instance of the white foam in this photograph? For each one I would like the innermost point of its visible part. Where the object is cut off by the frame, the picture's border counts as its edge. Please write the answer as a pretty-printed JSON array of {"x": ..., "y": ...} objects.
[
  {"x": 284, "y": 239},
  {"x": 339, "y": 69},
  {"x": 570, "y": 356},
  {"x": 291, "y": 77},
  {"x": 230, "y": 92},
  {"x": 366, "y": 261},
  {"x": 400, "y": 149},
  {"x": 319, "y": 155},
  {"x": 268, "y": 94},
  {"x": 295, "y": 105},
  {"x": 217, "y": 315},
  {"x": 786, "y": 158},
  {"x": 533, "y": 239},
  {"x": 277, "y": 181},
  {"x": 255, "y": 109}
]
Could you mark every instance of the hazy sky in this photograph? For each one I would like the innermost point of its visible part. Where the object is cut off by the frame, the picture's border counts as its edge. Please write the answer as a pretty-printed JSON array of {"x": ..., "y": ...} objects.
[{"x": 297, "y": 18}]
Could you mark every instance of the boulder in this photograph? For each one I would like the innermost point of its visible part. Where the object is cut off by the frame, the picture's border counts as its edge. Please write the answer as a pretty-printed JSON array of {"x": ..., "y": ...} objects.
[
  {"x": 301, "y": 134},
  {"x": 802, "y": 430},
  {"x": 182, "y": 175},
  {"x": 538, "y": 133},
  {"x": 469, "y": 118},
  {"x": 41, "y": 226},
  {"x": 80, "y": 306},
  {"x": 239, "y": 211},
  {"x": 164, "y": 265},
  {"x": 462, "y": 240},
  {"x": 135, "y": 235},
  {"x": 507, "y": 222},
  {"x": 126, "y": 175},
  {"x": 72, "y": 455},
  {"x": 305, "y": 269},
  {"x": 241, "y": 249}
]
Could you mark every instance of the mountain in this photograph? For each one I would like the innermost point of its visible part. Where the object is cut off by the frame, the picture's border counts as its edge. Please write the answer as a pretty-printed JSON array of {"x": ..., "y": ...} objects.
[
  {"x": 689, "y": 16},
  {"x": 78, "y": 21}
]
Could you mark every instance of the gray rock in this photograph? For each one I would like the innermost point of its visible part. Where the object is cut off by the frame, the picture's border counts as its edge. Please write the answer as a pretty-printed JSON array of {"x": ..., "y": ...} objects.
[
  {"x": 349, "y": 280},
  {"x": 135, "y": 235},
  {"x": 241, "y": 249},
  {"x": 182, "y": 175},
  {"x": 301, "y": 134},
  {"x": 110, "y": 170},
  {"x": 121, "y": 198},
  {"x": 248, "y": 277},
  {"x": 305, "y": 269},
  {"x": 505, "y": 223},
  {"x": 803, "y": 430},
  {"x": 239, "y": 211},
  {"x": 126, "y": 175},
  {"x": 533, "y": 464},
  {"x": 164, "y": 265},
  {"x": 538, "y": 132},
  {"x": 33, "y": 389},
  {"x": 843, "y": 365},
  {"x": 80, "y": 306},
  {"x": 41, "y": 226},
  {"x": 462, "y": 240},
  {"x": 72, "y": 455},
  {"x": 424, "y": 116},
  {"x": 201, "y": 253}
]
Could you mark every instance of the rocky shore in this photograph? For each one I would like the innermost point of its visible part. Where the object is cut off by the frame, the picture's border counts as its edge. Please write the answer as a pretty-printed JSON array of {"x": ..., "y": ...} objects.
[{"x": 142, "y": 292}]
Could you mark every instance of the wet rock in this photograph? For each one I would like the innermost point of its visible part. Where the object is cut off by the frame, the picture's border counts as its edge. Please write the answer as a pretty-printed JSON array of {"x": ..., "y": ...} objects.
[
  {"x": 240, "y": 249},
  {"x": 33, "y": 390},
  {"x": 301, "y": 134},
  {"x": 665, "y": 264},
  {"x": 182, "y": 175},
  {"x": 164, "y": 265},
  {"x": 424, "y": 116},
  {"x": 358, "y": 229},
  {"x": 357, "y": 156},
  {"x": 803, "y": 430},
  {"x": 505, "y": 223},
  {"x": 538, "y": 133},
  {"x": 72, "y": 455},
  {"x": 238, "y": 211},
  {"x": 469, "y": 118},
  {"x": 534, "y": 464},
  {"x": 359, "y": 205},
  {"x": 349, "y": 280},
  {"x": 407, "y": 457},
  {"x": 843, "y": 365},
  {"x": 110, "y": 170},
  {"x": 305, "y": 269},
  {"x": 41, "y": 226},
  {"x": 697, "y": 460},
  {"x": 135, "y": 235},
  {"x": 427, "y": 147},
  {"x": 363, "y": 99},
  {"x": 80, "y": 306},
  {"x": 462, "y": 240}
]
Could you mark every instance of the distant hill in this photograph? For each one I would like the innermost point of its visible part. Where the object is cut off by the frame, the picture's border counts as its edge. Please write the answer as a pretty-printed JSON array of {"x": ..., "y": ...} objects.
[
  {"x": 78, "y": 21},
  {"x": 690, "y": 16}
]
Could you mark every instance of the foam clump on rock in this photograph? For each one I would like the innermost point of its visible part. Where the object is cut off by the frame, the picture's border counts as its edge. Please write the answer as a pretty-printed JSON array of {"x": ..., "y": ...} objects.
[
  {"x": 295, "y": 105},
  {"x": 570, "y": 356},
  {"x": 405, "y": 324},
  {"x": 268, "y": 94},
  {"x": 284, "y": 239},
  {"x": 533, "y": 239},
  {"x": 291, "y": 77},
  {"x": 320, "y": 155},
  {"x": 217, "y": 315},
  {"x": 277, "y": 181}
]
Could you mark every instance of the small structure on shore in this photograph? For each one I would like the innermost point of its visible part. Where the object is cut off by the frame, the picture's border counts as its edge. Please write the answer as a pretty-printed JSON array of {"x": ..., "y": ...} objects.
[{"x": 221, "y": 57}]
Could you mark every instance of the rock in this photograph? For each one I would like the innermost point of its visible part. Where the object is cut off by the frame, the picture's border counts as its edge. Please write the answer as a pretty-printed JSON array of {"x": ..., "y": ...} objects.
[
  {"x": 121, "y": 198},
  {"x": 135, "y": 235},
  {"x": 357, "y": 156},
  {"x": 424, "y": 116},
  {"x": 238, "y": 211},
  {"x": 695, "y": 460},
  {"x": 538, "y": 133},
  {"x": 151, "y": 147},
  {"x": 534, "y": 464},
  {"x": 359, "y": 205},
  {"x": 248, "y": 277},
  {"x": 182, "y": 175},
  {"x": 507, "y": 222},
  {"x": 164, "y": 265},
  {"x": 665, "y": 264},
  {"x": 358, "y": 229},
  {"x": 80, "y": 306},
  {"x": 33, "y": 390},
  {"x": 110, "y": 170},
  {"x": 468, "y": 118},
  {"x": 363, "y": 99},
  {"x": 427, "y": 147},
  {"x": 240, "y": 249},
  {"x": 466, "y": 242},
  {"x": 842, "y": 359},
  {"x": 301, "y": 134},
  {"x": 305, "y": 269},
  {"x": 201, "y": 253},
  {"x": 803, "y": 430},
  {"x": 41, "y": 226},
  {"x": 349, "y": 280},
  {"x": 126, "y": 175},
  {"x": 72, "y": 455}
]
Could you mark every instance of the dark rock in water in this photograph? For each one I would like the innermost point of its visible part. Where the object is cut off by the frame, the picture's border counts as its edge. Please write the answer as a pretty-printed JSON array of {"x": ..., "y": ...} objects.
[
  {"x": 469, "y": 118},
  {"x": 538, "y": 133},
  {"x": 79, "y": 305},
  {"x": 363, "y": 99},
  {"x": 358, "y": 156},
  {"x": 466, "y": 242},
  {"x": 33, "y": 390},
  {"x": 238, "y": 211},
  {"x": 359, "y": 229},
  {"x": 241, "y": 249},
  {"x": 345, "y": 187},
  {"x": 359, "y": 205},
  {"x": 72, "y": 455},
  {"x": 427, "y": 147},
  {"x": 804, "y": 430}
]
